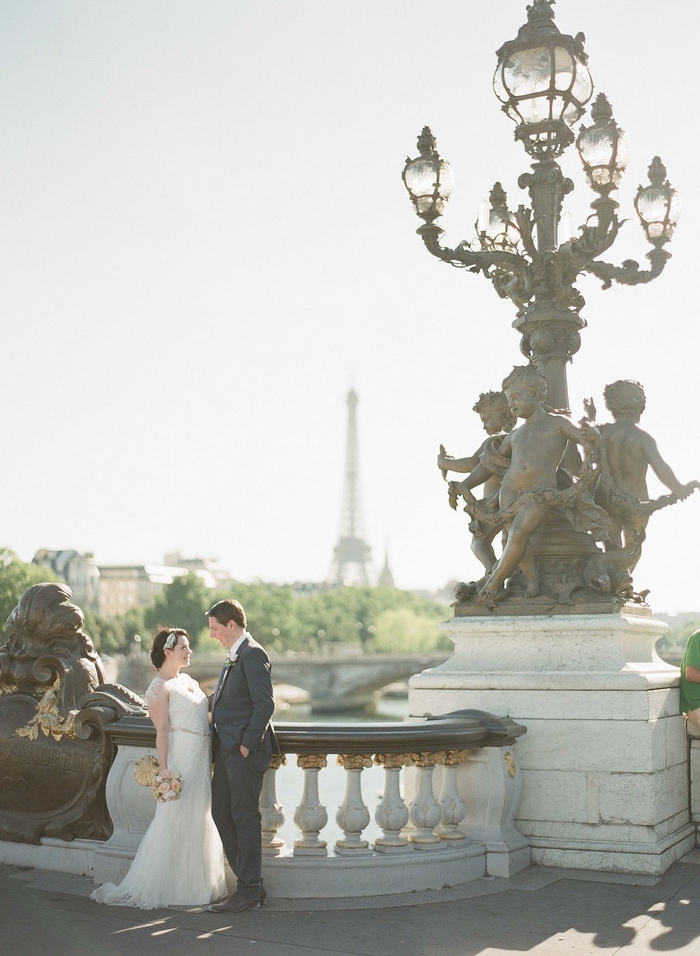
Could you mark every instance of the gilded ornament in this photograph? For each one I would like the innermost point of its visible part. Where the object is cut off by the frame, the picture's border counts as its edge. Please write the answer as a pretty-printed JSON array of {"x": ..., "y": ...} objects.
[
  {"x": 47, "y": 719},
  {"x": 145, "y": 770},
  {"x": 393, "y": 761},
  {"x": 426, "y": 759},
  {"x": 353, "y": 761},
  {"x": 452, "y": 757},
  {"x": 312, "y": 761}
]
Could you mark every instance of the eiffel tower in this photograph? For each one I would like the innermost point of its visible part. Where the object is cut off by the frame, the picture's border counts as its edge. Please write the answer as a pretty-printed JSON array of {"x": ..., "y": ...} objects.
[{"x": 352, "y": 563}]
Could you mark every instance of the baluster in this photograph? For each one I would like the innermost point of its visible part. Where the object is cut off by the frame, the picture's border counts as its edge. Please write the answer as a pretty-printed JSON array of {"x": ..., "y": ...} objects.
[
  {"x": 392, "y": 813},
  {"x": 310, "y": 816},
  {"x": 352, "y": 815},
  {"x": 271, "y": 812},
  {"x": 424, "y": 812},
  {"x": 452, "y": 806}
]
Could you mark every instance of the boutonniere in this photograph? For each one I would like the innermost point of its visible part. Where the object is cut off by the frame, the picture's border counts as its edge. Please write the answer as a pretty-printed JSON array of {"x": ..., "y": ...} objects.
[{"x": 229, "y": 664}]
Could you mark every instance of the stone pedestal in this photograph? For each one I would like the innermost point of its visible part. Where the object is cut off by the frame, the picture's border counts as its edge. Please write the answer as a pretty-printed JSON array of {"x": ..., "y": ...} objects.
[
  {"x": 605, "y": 758},
  {"x": 492, "y": 784},
  {"x": 131, "y": 808}
]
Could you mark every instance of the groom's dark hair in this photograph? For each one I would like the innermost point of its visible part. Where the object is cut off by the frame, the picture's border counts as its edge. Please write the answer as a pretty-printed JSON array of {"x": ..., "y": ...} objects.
[{"x": 228, "y": 610}]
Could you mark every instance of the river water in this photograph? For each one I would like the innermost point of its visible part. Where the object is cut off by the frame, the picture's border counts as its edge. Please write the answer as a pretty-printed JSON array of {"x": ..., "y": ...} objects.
[
  {"x": 332, "y": 779},
  {"x": 136, "y": 673}
]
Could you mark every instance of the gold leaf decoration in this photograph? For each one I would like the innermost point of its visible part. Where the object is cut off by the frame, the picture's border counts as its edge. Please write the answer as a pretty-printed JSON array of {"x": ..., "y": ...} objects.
[
  {"x": 145, "y": 771},
  {"x": 47, "y": 719}
]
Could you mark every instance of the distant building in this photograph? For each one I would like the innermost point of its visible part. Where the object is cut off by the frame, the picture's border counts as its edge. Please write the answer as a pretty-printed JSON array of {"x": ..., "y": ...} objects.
[
  {"x": 77, "y": 570},
  {"x": 126, "y": 586},
  {"x": 213, "y": 572},
  {"x": 386, "y": 578},
  {"x": 111, "y": 590}
]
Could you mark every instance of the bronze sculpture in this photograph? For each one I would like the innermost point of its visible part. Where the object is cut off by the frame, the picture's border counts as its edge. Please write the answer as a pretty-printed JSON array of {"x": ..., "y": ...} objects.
[
  {"x": 498, "y": 420},
  {"x": 546, "y": 490},
  {"x": 54, "y": 753},
  {"x": 629, "y": 453},
  {"x": 574, "y": 528}
]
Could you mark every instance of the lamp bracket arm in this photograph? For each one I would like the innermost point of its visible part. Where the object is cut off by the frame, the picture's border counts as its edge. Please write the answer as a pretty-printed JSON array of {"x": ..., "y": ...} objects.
[
  {"x": 511, "y": 274},
  {"x": 477, "y": 260},
  {"x": 629, "y": 272},
  {"x": 592, "y": 242},
  {"x": 483, "y": 260}
]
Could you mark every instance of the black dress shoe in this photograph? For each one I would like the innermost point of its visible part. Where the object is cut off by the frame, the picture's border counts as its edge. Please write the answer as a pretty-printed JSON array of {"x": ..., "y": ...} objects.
[{"x": 235, "y": 903}]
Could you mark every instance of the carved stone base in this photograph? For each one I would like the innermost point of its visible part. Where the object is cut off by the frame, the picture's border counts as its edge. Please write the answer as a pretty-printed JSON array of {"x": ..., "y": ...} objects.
[
  {"x": 349, "y": 878},
  {"x": 345, "y": 880},
  {"x": 515, "y": 605},
  {"x": 605, "y": 758},
  {"x": 63, "y": 856}
]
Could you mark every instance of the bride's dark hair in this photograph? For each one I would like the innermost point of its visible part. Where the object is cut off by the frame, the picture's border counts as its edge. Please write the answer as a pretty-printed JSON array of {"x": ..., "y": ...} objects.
[{"x": 162, "y": 635}]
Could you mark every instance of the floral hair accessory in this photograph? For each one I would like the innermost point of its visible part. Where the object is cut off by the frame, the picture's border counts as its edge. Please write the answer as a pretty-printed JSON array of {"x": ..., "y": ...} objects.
[{"x": 170, "y": 641}]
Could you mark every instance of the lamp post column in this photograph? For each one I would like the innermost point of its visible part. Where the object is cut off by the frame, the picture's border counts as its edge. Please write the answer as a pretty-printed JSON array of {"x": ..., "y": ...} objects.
[{"x": 549, "y": 328}]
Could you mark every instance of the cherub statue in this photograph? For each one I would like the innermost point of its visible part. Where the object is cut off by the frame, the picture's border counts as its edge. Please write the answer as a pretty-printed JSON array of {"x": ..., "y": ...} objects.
[
  {"x": 530, "y": 489},
  {"x": 628, "y": 452},
  {"x": 498, "y": 420}
]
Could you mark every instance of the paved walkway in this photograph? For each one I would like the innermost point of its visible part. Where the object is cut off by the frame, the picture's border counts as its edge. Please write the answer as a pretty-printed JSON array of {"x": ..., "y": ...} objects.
[{"x": 540, "y": 912}]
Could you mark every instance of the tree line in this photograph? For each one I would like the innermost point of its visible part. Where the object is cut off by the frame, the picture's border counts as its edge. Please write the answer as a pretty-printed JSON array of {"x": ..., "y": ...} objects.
[{"x": 377, "y": 619}]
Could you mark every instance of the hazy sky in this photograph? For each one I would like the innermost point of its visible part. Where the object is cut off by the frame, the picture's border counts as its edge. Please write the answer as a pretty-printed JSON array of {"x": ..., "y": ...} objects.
[{"x": 206, "y": 242}]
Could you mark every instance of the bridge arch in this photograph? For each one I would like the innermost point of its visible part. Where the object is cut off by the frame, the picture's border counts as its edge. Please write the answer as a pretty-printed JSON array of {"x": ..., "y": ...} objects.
[{"x": 333, "y": 684}]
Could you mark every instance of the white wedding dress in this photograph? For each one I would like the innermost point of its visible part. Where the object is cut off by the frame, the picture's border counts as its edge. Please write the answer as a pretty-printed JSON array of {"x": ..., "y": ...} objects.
[{"x": 180, "y": 861}]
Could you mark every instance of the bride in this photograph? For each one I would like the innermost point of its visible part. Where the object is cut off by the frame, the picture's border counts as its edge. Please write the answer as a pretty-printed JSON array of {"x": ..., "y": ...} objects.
[{"x": 180, "y": 861}]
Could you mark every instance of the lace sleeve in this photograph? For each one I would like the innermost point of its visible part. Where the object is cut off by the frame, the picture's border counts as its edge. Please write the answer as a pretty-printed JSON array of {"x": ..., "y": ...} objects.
[{"x": 157, "y": 691}]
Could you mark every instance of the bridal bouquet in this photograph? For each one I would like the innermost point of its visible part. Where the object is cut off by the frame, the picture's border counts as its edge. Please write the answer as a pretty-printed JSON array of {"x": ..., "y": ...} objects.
[{"x": 165, "y": 785}]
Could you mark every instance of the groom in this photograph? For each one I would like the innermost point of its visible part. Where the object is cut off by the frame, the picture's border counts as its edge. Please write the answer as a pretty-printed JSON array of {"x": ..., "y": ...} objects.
[{"x": 243, "y": 742}]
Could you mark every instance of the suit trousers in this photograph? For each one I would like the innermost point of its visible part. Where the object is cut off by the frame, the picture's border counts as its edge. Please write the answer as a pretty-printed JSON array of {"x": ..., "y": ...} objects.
[{"x": 235, "y": 798}]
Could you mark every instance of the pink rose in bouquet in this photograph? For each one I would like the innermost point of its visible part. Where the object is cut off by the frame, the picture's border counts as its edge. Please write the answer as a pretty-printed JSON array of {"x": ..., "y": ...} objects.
[{"x": 167, "y": 785}]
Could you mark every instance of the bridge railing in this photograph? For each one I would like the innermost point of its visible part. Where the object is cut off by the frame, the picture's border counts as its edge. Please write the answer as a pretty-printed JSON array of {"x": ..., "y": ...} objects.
[{"x": 451, "y": 790}]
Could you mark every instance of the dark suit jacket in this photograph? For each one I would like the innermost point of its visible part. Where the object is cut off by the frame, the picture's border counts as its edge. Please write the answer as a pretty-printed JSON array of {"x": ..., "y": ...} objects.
[{"x": 243, "y": 702}]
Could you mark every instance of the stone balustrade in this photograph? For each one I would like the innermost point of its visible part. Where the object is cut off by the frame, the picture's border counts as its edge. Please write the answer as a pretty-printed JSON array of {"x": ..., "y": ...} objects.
[{"x": 451, "y": 790}]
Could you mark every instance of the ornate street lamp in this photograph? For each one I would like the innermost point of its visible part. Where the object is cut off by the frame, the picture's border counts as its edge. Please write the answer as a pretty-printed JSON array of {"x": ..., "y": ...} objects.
[
  {"x": 428, "y": 179},
  {"x": 496, "y": 226},
  {"x": 603, "y": 148},
  {"x": 657, "y": 205},
  {"x": 543, "y": 82}
]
